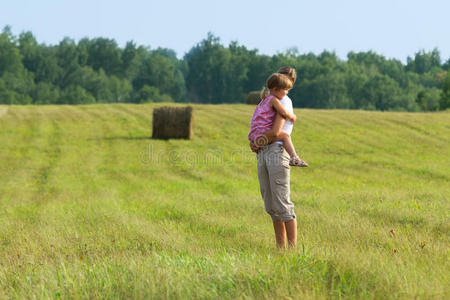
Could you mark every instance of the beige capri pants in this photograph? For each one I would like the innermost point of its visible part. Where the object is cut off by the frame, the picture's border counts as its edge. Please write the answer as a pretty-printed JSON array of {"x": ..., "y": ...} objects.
[{"x": 274, "y": 179}]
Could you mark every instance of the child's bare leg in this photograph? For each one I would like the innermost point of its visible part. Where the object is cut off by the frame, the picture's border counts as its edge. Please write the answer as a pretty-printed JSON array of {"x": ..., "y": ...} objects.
[
  {"x": 287, "y": 144},
  {"x": 271, "y": 136}
]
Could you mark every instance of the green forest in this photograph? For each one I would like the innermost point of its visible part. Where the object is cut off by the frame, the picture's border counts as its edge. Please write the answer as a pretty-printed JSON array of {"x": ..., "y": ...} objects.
[{"x": 98, "y": 70}]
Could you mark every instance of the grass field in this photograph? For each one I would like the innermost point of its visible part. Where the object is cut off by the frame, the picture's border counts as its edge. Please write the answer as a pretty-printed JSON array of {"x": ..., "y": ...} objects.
[{"x": 91, "y": 207}]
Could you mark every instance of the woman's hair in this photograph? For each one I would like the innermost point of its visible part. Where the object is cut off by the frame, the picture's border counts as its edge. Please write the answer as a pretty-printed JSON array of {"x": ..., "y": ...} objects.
[
  {"x": 276, "y": 81},
  {"x": 289, "y": 72}
]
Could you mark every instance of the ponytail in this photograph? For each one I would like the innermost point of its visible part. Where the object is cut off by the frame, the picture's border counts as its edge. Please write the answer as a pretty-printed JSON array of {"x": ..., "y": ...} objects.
[{"x": 265, "y": 93}]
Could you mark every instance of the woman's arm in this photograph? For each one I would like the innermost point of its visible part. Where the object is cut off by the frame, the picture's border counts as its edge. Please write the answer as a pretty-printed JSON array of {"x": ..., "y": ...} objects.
[
  {"x": 270, "y": 135},
  {"x": 277, "y": 126}
]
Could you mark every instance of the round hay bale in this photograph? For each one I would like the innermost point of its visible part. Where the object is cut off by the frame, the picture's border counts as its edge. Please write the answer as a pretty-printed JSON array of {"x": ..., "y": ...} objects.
[
  {"x": 254, "y": 98},
  {"x": 172, "y": 123}
]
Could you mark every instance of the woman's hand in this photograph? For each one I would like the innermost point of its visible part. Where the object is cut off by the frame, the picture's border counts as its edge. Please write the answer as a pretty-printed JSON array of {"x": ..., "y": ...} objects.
[{"x": 254, "y": 147}]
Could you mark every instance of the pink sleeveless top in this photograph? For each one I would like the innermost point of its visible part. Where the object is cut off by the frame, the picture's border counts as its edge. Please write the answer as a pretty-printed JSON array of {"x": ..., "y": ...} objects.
[{"x": 262, "y": 119}]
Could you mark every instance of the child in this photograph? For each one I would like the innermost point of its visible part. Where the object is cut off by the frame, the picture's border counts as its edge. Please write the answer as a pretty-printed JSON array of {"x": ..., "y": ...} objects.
[{"x": 262, "y": 129}]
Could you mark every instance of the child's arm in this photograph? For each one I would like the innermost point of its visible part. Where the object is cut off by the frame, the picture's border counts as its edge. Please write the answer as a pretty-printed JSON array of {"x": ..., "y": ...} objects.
[{"x": 276, "y": 104}]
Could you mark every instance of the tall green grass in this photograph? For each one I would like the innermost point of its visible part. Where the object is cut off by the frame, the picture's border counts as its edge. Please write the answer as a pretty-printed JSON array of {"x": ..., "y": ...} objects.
[{"x": 94, "y": 208}]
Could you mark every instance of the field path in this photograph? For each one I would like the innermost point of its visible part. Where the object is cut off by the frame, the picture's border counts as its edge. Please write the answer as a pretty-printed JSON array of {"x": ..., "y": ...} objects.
[{"x": 3, "y": 110}]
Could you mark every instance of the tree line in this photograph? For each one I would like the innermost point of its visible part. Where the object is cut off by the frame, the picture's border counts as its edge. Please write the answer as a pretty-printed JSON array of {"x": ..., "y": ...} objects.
[{"x": 99, "y": 71}]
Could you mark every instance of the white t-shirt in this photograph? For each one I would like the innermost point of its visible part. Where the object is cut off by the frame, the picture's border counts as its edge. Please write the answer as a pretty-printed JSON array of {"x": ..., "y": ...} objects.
[{"x": 288, "y": 125}]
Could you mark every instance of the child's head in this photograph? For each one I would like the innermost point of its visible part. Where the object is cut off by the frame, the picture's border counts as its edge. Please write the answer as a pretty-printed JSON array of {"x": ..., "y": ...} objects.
[
  {"x": 286, "y": 71},
  {"x": 279, "y": 84},
  {"x": 289, "y": 72},
  {"x": 278, "y": 81}
]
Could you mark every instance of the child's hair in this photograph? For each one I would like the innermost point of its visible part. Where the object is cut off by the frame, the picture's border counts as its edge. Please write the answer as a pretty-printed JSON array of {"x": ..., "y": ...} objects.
[
  {"x": 279, "y": 81},
  {"x": 289, "y": 72},
  {"x": 276, "y": 81}
]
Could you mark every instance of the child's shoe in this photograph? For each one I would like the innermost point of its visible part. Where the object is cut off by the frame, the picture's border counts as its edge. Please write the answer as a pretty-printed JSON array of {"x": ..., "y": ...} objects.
[{"x": 297, "y": 162}]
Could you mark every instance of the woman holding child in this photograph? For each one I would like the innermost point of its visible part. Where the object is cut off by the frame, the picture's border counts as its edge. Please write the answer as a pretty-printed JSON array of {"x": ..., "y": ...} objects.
[{"x": 269, "y": 136}]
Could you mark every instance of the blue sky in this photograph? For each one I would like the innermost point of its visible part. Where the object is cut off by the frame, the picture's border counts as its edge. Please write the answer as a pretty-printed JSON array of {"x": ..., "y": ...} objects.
[{"x": 393, "y": 28}]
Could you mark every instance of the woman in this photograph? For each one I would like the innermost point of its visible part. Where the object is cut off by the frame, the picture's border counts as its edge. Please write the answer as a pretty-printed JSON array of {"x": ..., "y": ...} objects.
[{"x": 274, "y": 177}]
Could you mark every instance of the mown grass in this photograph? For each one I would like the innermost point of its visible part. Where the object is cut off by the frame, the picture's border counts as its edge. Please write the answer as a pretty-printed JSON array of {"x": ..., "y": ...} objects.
[{"x": 94, "y": 208}]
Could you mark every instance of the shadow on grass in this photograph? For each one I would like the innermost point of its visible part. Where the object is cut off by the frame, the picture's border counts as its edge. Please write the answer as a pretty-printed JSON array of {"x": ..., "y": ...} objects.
[
  {"x": 127, "y": 138},
  {"x": 130, "y": 138}
]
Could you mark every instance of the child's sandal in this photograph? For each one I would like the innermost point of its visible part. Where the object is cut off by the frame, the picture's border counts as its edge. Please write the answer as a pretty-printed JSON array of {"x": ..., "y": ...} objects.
[{"x": 297, "y": 162}]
